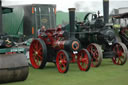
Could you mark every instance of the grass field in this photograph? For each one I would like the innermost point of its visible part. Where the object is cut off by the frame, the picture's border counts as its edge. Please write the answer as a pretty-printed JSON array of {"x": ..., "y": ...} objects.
[{"x": 106, "y": 74}]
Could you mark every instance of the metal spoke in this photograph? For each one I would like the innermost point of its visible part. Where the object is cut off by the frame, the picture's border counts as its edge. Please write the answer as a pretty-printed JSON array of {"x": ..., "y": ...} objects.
[{"x": 40, "y": 57}]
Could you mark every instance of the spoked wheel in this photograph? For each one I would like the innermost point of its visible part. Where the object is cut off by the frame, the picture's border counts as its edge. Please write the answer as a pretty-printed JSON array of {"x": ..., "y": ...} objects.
[
  {"x": 121, "y": 54},
  {"x": 38, "y": 53},
  {"x": 96, "y": 54},
  {"x": 62, "y": 61},
  {"x": 84, "y": 60}
]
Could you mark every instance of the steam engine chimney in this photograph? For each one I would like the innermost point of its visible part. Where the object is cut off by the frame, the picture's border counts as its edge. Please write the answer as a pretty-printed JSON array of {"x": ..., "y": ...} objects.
[
  {"x": 72, "y": 21},
  {"x": 106, "y": 11}
]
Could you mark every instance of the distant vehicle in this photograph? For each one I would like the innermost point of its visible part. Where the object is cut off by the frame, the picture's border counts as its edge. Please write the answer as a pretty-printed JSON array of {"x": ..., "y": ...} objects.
[
  {"x": 120, "y": 22},
  {"x": 98, "y": 36}
]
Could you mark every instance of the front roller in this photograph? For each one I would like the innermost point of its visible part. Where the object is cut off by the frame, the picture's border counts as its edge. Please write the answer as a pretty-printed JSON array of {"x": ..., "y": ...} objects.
[
  {"x": 84, "y": 60},
  {"x": 38, "y": 53},
  {"x": 13, "y": 68},
  {"x": 120, "y": 50}
]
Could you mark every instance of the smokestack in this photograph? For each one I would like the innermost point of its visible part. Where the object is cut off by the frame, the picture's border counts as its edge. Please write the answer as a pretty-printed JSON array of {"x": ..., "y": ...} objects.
[
  {"x": 72, "y": 21},
  {"x": 1, "y": 17},
  {"x": 106, "y": 11}
]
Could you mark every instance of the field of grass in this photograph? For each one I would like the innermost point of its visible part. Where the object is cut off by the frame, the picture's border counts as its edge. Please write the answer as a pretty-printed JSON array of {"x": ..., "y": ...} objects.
[{"x": 106, "y": 74}]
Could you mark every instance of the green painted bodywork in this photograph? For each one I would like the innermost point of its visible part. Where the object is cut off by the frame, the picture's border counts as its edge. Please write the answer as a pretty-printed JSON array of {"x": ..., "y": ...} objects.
[
  {"x": 6, "y": 50},
  {"x": 63, "y": 17},
  {"x": 11, "y": 28}
]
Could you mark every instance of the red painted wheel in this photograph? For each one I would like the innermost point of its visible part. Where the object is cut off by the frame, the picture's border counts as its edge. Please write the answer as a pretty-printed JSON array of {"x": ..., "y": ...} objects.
[
  {"x": 84, "y": 60},
  {"x": 62, "y": 61},
  {"x": 121, "y": 53},
  {"x": 96, "y": 54},
  {"x": 38, "y": 53}
]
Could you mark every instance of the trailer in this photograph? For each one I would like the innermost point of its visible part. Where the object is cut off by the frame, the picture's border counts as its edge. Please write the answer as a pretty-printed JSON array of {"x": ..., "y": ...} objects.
[{"x": 34, "y": 14}]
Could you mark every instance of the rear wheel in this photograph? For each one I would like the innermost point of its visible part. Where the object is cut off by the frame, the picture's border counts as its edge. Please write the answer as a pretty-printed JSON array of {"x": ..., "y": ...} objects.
[
  {"x": 121, "y": 54},
  {"x": 62, "y": 61},
  {"x": 96, "y": 54},
  {"x": 38, "y": 53},
  {"x": 84, "y": 60}
]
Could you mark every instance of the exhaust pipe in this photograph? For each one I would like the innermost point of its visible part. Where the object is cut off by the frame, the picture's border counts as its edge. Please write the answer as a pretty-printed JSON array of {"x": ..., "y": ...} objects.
[
  {"x": 1, "y": 17},
  {"x": 106, "y": 11},
  {"x": 72, "y": 21}
]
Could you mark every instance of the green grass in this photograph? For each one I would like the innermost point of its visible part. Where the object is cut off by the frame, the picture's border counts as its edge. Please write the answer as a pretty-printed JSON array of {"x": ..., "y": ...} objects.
[{"x": 106, "y": 74}]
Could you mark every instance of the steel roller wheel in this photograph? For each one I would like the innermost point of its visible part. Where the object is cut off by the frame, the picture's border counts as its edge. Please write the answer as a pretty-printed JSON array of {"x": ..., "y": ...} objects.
[
  {"x": 38, "y": 53},
  {"x": 84, "y": 60},
  {"x": 96, "y": 54},
  {"x": 62, "y": 61},
  {"x": 121, "y": 53}
]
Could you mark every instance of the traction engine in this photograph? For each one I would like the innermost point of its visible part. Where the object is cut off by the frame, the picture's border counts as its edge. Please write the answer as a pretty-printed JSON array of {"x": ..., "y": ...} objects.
[
  {"x": 101, "y": 41},
  {"x": 13, "y": 63},
  {"x": 59, "y": 47},
  {"x": 99, "y": 38}
]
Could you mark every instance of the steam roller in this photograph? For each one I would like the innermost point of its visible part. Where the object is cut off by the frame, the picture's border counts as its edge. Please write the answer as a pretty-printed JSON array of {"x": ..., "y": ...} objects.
[
  {"x": 13, "y": 63},
  {"x": 13, "y": 67}
]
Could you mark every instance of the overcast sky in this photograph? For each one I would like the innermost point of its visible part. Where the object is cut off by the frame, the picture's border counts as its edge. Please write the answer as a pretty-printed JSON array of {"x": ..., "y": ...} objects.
[{"x": 63, "y": 5}]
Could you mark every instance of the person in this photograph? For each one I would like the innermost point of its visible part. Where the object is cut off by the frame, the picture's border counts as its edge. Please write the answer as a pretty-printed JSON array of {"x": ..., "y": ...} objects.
[
  {"x": 40, "y": 31},
  {"x": 59, "y": 26}
]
